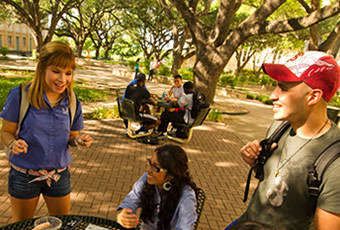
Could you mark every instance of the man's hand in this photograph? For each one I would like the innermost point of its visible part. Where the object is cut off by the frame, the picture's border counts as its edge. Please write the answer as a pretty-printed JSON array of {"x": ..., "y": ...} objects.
[{"x": 250, "y": 151}]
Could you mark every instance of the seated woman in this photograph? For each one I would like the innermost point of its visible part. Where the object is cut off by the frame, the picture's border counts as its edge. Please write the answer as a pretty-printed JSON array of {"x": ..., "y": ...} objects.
[{"x": 165, "y": 192}]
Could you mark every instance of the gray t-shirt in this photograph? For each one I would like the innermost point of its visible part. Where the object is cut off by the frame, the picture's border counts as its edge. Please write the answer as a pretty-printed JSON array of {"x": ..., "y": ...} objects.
[{"x": 284, "y": 200}]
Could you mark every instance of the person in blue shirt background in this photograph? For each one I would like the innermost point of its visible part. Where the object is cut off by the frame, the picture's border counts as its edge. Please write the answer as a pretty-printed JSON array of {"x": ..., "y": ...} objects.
[
  {"x": 165, "y": 192},
  {"x": 39, "y": 153}
]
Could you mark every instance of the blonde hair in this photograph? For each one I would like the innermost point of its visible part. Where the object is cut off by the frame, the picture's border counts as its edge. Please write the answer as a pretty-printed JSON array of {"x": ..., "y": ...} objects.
[{"x": 51, "y": 54}]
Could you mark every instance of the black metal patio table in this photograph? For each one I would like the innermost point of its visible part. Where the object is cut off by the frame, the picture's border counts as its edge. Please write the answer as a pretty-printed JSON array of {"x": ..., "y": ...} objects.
[{"x": 85, "y": 222}]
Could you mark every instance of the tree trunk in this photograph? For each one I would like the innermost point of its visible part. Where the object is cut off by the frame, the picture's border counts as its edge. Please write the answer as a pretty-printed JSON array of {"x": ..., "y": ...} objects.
[
  {"x": 97, "y": 52},
  {"x": 177, "y": 63},
  {"x": 106, "y": 54},
  {"x": 208, "y": 67}
]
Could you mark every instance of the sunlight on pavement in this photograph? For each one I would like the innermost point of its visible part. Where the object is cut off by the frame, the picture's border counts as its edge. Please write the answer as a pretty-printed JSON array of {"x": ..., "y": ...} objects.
[{"x": 226, "y": 164}]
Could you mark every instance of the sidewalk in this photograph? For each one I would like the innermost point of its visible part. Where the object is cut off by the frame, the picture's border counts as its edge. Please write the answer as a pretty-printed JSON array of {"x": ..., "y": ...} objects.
[{"x": 103, "y": 174}]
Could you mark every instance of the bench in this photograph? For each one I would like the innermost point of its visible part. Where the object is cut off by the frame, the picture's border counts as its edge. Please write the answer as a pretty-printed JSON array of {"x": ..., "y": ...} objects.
[{"x": 197, "y": 122}]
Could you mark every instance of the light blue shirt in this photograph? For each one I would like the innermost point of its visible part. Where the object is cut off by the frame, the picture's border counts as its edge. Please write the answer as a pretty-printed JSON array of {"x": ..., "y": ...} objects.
[
  {"x": 46, "y": 131},
  {"x": 184, "y": 216}
]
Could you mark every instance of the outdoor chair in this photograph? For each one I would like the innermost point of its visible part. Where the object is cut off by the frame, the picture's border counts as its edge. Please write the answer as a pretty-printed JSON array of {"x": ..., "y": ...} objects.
[
  {"x": 197, "y": 122},
  {"x": 200, "y": 198},
  {"x": 127, "y": 111}
]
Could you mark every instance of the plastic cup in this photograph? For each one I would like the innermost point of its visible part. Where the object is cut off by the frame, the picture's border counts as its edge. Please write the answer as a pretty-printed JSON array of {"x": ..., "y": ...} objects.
[{"x": 55, "y": 222}]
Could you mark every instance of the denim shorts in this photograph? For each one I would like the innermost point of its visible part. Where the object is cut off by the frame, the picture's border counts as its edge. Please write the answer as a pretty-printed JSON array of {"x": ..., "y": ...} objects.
[{"x": 19, "y": 187}]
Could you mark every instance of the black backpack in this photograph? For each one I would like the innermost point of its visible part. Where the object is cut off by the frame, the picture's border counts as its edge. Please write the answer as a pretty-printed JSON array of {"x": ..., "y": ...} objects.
[
  {"x": 199, "y": 101},
  {"x": 316, "y": 171}
]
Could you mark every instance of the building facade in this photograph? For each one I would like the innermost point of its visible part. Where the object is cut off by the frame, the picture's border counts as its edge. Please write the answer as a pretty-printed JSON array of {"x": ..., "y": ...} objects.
[{"x": 16, "y": 37}]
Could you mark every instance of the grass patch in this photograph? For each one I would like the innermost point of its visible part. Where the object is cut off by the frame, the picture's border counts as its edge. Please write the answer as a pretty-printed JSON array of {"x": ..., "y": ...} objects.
[
  {"x": 103, "y": 113},
  {"x": 6, "y": 84},
  {"x": 91, "y": 95},
  {"x": 84, "y": 94},
  {"x": 214, "y": 115}
]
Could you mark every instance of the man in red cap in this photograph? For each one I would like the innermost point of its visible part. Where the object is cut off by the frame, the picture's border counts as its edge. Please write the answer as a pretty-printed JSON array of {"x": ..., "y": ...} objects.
[{"x": 305, "y": 84}]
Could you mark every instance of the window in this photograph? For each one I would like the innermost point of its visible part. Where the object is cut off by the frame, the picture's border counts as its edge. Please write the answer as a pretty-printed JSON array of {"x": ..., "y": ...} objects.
[
  {"x": 9, "y": 42},
  {"x": 23, "y": 43},
  {"x": 17, "y": 42},
  {"x": 30, "y": 44},
  {"x": 0, "y": 40}
]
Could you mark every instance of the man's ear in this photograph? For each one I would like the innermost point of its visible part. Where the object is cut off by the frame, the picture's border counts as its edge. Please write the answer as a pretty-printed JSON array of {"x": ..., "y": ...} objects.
[{"x": 315, "y": 96}]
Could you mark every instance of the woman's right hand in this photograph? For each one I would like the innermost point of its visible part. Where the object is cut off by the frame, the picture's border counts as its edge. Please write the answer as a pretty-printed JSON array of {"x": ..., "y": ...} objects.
[
  {"x": 127, "y": 219},
  {"x": 19, "y": 146}
]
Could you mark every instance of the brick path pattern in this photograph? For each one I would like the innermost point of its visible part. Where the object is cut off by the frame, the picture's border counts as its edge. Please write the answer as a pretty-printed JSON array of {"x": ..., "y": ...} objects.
[{"x": 103, "y": 174}]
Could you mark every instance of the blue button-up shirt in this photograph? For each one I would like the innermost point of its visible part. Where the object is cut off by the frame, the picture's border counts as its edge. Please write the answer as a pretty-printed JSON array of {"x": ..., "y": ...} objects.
[
  {"x": 46, "y": 131},
  {"x": 184, "y": 216}
]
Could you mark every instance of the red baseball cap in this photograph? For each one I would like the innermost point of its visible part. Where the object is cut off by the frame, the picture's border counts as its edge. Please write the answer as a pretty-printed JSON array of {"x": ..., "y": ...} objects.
[{"x": 317, "y": 69}]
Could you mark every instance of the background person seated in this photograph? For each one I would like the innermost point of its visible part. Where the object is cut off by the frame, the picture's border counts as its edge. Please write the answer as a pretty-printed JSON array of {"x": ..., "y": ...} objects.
[
  {"x": 177, "y": 89},
  {"x": 165, "y": 192},
  {"x": 137, "y": 93},
  {"x": 182, "y": 116}
]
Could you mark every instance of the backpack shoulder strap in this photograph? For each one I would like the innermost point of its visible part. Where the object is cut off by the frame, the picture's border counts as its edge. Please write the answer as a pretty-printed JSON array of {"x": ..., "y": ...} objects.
[
  {"x": 267, "y": 150},
  {"x": 73, "y": 107},
  {"x": 321, "y": 163},
  {"x": 24, "y": 103},
  {"x": 279, "y": 131},
  {"x": 265, "y": 153}
]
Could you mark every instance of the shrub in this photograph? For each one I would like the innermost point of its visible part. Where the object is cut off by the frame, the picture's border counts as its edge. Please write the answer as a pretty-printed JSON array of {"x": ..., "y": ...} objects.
[
  {"x": 251, "y": 96},
  {"x": 264, "y": 99},
  {"x": 335, "y": 100},
  {"x": 227, "y": 79},
  {"x": 163, "y": 70},
  {"x": 186, "y": 73},
  {"x": 4, "y": 51}
]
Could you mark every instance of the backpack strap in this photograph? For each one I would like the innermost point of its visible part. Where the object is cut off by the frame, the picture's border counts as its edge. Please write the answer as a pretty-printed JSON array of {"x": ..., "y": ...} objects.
[
  {"x": 321, "y": 163},
  {"x": 24, "y": 104},
  {"x": 72, "y": 108},
  {"x": 265, "y": 153}
]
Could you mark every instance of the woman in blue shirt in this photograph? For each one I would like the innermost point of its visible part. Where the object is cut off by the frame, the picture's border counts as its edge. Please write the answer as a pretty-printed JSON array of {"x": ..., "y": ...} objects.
[
  {"x": 39, "y": 154},
  {"x": 165, "y": 192}
]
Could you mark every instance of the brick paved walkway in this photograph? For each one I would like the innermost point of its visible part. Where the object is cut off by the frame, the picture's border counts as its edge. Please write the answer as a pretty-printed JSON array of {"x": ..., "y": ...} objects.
[{"x": 103, "y": 174}]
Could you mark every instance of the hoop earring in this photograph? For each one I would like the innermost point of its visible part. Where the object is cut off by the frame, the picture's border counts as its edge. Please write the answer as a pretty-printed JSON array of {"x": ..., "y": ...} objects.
[{"x": 167, "y": 186}]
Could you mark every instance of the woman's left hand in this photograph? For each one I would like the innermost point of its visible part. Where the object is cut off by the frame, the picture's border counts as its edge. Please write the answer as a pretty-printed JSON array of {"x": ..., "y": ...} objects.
[{"x": 85, "y": 140}]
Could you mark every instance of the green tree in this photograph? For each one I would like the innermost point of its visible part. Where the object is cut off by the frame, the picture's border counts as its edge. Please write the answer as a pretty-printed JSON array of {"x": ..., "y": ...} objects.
[
  {"x": 215, "y": 43},
  {"x": 146, "y": 22},
  {"x": 107, "y": 31},
  {"x": 80, "y": 21},
  {"x": 41, "y": 16}
]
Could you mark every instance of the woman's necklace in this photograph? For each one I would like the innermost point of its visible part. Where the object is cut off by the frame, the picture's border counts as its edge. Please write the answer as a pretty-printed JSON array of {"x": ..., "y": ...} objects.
[{"x": 277, "y": 170}]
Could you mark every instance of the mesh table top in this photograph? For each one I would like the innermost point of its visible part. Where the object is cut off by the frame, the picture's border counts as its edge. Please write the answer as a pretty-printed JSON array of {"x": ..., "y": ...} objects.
[{"x": 85, "y": 221}]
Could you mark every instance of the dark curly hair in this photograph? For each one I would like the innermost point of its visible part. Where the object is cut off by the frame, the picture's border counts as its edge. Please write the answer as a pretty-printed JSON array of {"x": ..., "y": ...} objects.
[{"x": 174, "y": 159}]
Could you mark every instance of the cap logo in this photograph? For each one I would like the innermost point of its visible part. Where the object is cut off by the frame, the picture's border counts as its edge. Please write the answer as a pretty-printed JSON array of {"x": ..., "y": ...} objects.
[{"x": 320, "y": 66}]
